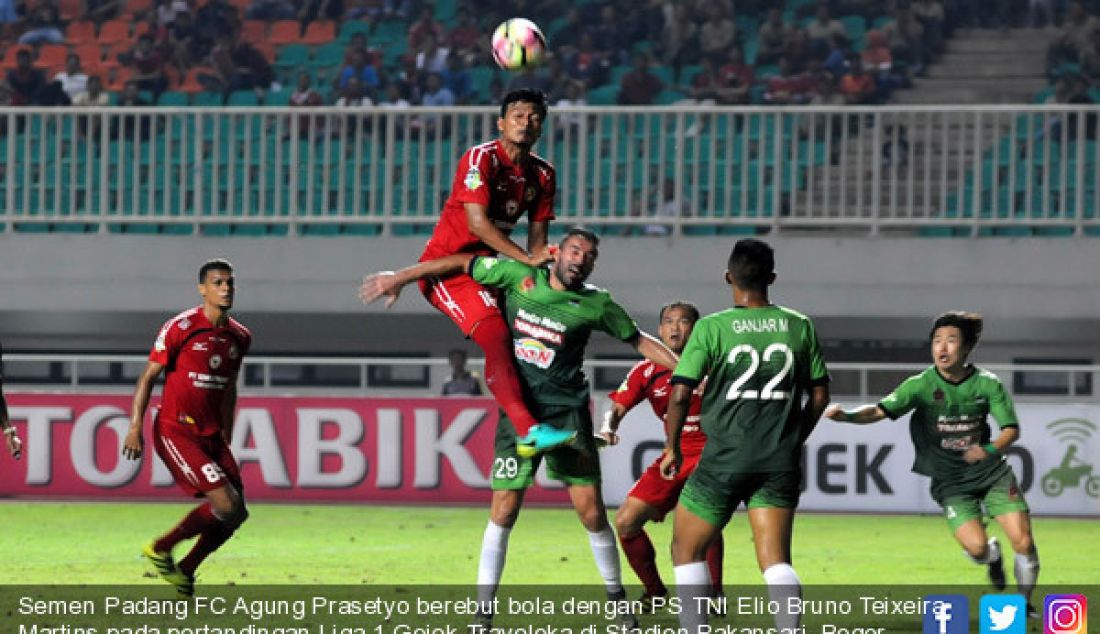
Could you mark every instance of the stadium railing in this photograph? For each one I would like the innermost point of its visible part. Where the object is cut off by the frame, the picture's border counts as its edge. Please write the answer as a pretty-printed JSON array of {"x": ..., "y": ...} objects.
[
  {"x": 696, "y": 170},
  {"x": 414, "y": 377}
]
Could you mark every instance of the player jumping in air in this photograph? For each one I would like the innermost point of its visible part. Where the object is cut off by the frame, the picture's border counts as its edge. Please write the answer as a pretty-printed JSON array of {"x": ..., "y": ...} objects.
[
  {"x": 652, "y": 497},
  {"x": 551, "y": 313},
  {"x": 951, "y": 403},
  {"x": 760, "y": 361},
  {"x": 200, "y": 350},
  {"x": 495, "y": 185},
  {"x": 11, "y": 439}
]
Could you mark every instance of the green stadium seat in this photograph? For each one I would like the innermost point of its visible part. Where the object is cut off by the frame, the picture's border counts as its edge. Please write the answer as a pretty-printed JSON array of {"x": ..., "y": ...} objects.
[
  {"x": 208, "y": 99},
  {"x": 243, "y": 98},
  {"x": 172, "y": 98},
  {"x": 350, "y": 27},
  {"x": 291, "y": 56},
  {"x": 329, "y": 55}
]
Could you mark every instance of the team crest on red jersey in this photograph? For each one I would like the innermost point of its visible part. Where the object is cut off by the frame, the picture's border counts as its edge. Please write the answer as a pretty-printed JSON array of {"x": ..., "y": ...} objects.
[{"x": 215, "y": 361}]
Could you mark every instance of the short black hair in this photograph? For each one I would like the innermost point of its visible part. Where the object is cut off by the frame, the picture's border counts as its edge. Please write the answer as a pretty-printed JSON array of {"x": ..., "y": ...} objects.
[
  {"x": 751, "y": 264},
  {"x": 578, "y": 230},
  {"x": 691, "y": 309},
  {"x": 968, "y": 323},
  {"x": 216, "y": 264},
  {"x": 524, "y": 95}
]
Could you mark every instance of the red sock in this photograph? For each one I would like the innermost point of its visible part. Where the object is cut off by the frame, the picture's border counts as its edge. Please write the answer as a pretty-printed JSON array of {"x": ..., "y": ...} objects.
[
  {"x": 714, "y": 562},
  {"x": 492, "y": 336},
  {"x": 643, "y": 559},
  {"x": 209, "y": 541},
  {"x": 195, "y": 522}
]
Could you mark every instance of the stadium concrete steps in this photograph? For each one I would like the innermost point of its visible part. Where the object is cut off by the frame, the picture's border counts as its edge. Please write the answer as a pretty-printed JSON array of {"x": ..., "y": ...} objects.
[{"x": 985, "y": 66}]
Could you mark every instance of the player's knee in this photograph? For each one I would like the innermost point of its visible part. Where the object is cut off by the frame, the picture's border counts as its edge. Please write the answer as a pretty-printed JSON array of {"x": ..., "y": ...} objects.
[
  {"x": 626, "y": 523},
  {"x": 1023, "y": 543}
]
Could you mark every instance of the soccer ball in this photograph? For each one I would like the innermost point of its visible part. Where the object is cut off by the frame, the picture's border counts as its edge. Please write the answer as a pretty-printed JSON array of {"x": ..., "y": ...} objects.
[{"x": 518, "y": 44}]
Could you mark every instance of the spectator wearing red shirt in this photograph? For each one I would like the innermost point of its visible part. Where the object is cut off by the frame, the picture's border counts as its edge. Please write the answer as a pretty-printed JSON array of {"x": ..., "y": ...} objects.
[
  {"x": 25, "y": 81},
  {"x": 640, "y": 87},
  {"x": 424, "y": 26},
  {"x": 736, "y": 78},
  {"x": 464, "y": 38},
  {"x": 788, "y": 87},
  {"x": 148, "y": 65},
  {"x": 706, "y": 85},
  {"x": 358, "y": 43}
]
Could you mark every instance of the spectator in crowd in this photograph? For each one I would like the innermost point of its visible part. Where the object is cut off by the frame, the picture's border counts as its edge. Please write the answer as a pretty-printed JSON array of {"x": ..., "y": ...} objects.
[
  {"x": 823, "y": 29},
  {"x": 679, "y": 37},
  {"x": 772, "y": 37},
  {"x": 358, "y": 43},
  {"x": 304, "y": 96},
  {"x": 465, "y": 39},
  {"x": 73, "y": 79},
  {"x": 705, "y": 85},
  {"x": 789, "y": 87},
  {"x": 358, "y": 69},
  {"x": 236, "y": 65},
  {"x": 718, "y": 33},
  {"x": 586, "y": 64},
  {"x": 857, "y": 86},
  {"x": 566, "y": 38},
  {"x": 130, "y": 125},
  {"x": 457, "y": 79},
  {"x": 148, "y": 65},
  {"x": 877, "y": 56},
  {"x": 93, "y": 95},
  {"x": 573, "y": 95},
  {"x": 168, "y": 10},
  {"x": 798, "y": 50},
  {"x": 905, "y": 37},
  {"x": 99, "y": 11},
  {"x": 607, "y": 35},
  {"x": 431, "y": 58},
  {"x": 1076, "y": 34},
  {"x": 736, "y": 78},
  {"x": 425, "y": 26},
  {"x": 216, "y": 19},
  {"x": 43, "y": 26},
  {"x": 392, "y": 96},
  {"x": 837, "y": 61},
  {"x": 1090, "y": 61},
  {"x": 931, "y": 16},
  {"x": 310, "y": 10},
  {"x": 25, "y": 80},
  {"x": 462, "y": 382},
  {"x": 436, "y": 94},
  {"x": 185, "y": 45},
  {"x": 270, "y": 10},
  {"x": 353, "y": 95},
  {"x": 640, "y": 86}
]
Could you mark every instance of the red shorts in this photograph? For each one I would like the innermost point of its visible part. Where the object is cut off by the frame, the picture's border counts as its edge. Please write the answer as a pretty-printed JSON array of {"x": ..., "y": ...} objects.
[
  {"x": 461, "y": 298},
  {"x": 659, "y": 493},
  {"x": 198, "y": 463}
]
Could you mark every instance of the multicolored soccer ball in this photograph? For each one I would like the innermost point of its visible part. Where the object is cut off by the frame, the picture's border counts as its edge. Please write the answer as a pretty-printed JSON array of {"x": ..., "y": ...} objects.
[{"x": 517, "y": 44}]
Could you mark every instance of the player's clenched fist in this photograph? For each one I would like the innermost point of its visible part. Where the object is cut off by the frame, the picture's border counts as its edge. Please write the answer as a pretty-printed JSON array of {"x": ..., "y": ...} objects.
[
  {"x": 377, "y": 285},
  {"x": 14, "y": 444},
  {"x": 133, "y": 445},
  {"x": 670, "y": 463}
]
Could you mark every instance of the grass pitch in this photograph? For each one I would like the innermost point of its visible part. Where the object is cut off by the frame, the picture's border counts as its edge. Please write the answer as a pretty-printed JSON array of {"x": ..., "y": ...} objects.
[{"x": 99, "y": 543}]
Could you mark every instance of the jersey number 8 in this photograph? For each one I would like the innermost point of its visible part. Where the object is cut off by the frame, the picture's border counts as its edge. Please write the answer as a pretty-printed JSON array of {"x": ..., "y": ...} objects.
[{"x": 769, "y": 393}]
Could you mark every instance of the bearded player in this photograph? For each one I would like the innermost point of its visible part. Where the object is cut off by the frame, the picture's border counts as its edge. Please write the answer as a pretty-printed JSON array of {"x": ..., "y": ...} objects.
[
  {"x": 652, "y": 496},
  {"x": 200, "y": 351},
  {"x": 495, "y": 185}
]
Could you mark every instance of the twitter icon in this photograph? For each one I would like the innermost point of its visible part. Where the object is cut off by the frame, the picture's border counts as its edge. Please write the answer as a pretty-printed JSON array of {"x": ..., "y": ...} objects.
[{"x": 1003, "y": 614}]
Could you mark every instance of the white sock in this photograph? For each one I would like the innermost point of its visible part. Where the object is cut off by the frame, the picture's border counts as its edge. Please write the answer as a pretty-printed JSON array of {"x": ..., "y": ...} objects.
[
  {"x": 783, "y": 585},
  {"x": 993, "y": 553},
  {"x": 1027, "y": 573},
  {"x": 494, "y": 550},
  {"x": 606, "y": 553},
  {"x": 692, "y": 583}
]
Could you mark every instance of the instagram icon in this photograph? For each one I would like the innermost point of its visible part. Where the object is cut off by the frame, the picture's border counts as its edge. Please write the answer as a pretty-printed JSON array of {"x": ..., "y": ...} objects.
[{"x": 1065, "y": 614}]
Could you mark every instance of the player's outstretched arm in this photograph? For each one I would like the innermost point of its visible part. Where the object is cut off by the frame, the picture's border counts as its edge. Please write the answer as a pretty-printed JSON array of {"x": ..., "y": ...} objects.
[
  {"x": 655, "y": 350},
  {"x": 134, "y": 444},
  {"x": 608, "y": 432},
  {"x": 477, "y": 220},
  {"x": 388, "y": 284},
  {"x": 860, "y": 416},
  {"x": 678, "y": 403},
  {"x": 977, "y": 453}
]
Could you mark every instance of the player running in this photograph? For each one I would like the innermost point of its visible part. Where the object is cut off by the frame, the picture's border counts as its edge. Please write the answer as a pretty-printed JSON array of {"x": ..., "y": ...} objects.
[
  {"x": 11, "y": 438},
  {"x": 760, "y": 361},
  {"x": 951, "y": 403},
  {"x": 652, "y": 497},
  {"x": 496, "y": 183},
  {"x": 551, "y": 313},
  {"x": 200, "y": 350}
]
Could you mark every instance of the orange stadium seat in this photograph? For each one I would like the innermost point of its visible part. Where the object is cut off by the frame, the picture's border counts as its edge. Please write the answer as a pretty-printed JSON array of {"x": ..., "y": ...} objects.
[
  {"x": 267, "y": 49},
  {"x": 91, "y": 56},
  {"x": 114, "y": 31},
  {"x": 117, "y": 78},
  {"x": 80, "y": 32},
  {"x": 284, "y": 32},
  {"x": 71, "y": 10},
  {"x": 191, "y": 83},
  {"x": 254, "y": 31},
  {"x": 134, "y": 8},
  {"x": 52, "y": 55},
  {"x": 320, "y": 32}
]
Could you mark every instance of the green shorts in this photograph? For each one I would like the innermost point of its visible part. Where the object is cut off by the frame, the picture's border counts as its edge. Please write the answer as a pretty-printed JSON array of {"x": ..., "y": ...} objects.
[
  {"x": 715, "y": 496},
  {"x": 577, "y": 464},
  {"x": 999, "y": 496}
]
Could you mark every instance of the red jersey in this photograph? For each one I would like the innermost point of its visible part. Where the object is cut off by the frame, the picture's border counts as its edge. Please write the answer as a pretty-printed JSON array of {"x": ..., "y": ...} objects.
[
  {"x": 647, "y": 380},
  {"x": 486, "y": 176},
  {"x": 201, "y": 362}
]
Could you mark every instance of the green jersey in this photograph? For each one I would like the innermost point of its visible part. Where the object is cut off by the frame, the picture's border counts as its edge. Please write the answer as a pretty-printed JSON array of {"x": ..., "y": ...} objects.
[
  {"x": 948, "y": 418},
  {"x": 760, "y": 364},
  {"x": 550, "y": 328}
]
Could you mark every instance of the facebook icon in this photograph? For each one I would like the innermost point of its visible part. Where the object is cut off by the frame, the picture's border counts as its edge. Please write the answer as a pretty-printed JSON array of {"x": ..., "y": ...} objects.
[{"x": 946, "y": 614}]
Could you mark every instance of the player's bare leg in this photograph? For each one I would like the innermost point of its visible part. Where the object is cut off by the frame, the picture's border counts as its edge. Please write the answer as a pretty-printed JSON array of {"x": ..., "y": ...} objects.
[
  {"x": 1017, "y": 526},
  {"x": 982, "y": 550},
  {"x": 630, "y": 521},
  {"x": 691, "y": 535},
  {"x": 771, "y": 532},
  {"x": 588, "y": 503},
  {"x": 503, "y": 512}
]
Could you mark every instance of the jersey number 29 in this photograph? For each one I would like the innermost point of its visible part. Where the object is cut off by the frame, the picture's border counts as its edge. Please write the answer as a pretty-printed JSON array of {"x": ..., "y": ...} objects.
[{"x": 769, "y": 393}]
